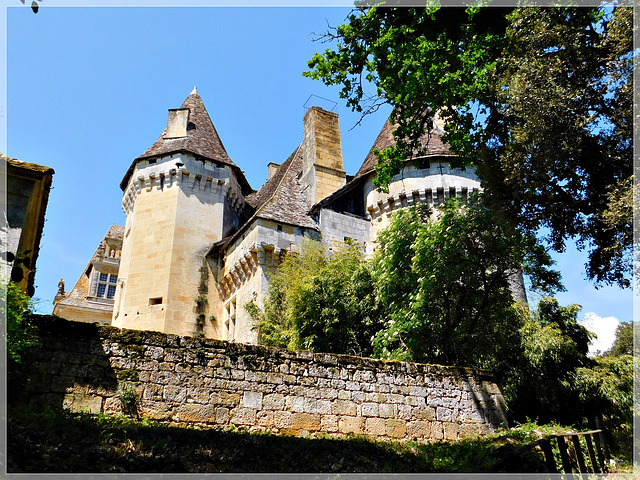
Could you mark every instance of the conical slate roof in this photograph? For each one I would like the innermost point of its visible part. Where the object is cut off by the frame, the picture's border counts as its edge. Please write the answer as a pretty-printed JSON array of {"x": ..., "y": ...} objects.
[
  {"x": 431, "y": 141},
  {"x": 201, "y": 139}
]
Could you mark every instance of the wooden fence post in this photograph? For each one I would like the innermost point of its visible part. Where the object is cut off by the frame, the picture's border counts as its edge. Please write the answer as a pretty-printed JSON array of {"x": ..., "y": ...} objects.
[{"x": 564, "y": 455}]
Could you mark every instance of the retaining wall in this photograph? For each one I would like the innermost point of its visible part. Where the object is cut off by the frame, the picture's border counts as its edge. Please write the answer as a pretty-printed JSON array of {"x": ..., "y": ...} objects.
[{"x": 187, "y": 380}]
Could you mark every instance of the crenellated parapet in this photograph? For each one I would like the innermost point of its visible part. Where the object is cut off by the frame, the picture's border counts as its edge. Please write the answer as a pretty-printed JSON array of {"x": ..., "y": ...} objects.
[
  {"x": 428, "y": 196},
  {"x": 215, "y": 183},
  {"x": 245, "y": 266}
]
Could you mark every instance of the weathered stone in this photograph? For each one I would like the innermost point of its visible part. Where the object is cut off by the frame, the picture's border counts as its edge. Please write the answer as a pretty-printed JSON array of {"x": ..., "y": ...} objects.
[
  {"x": 225, "y": 398},
  {"x": 305, "y": 421},
  {"x": 222, "y": 415},
  {"x": 375, "y": 427},
  {"x": 243, "y": 416},
  {"x": 344, "y": 407},
  {"x": 252, "y": 400},
  {"x": 194, "y": 413},
  {"x": 395, "y": 428},
  {"x": 175, "y": 394},
  {"x": 369, "y": 410},
  {"x": 282, "y": 419},
  {"x": 329, "y": 423},
  {"x": 80, "y": 403},
  {"x": 450, "y": 430},
  {"x": 351, "y": 425},
  {"x": 418, "y": 429}
]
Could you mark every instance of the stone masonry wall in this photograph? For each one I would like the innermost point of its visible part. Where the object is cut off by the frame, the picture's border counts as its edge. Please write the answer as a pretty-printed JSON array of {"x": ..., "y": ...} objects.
[{"x": 83, "y": 367}]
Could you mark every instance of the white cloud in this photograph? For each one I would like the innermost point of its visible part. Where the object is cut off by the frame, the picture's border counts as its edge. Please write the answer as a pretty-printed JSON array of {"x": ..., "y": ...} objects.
[{"x": 604, "y": 328}]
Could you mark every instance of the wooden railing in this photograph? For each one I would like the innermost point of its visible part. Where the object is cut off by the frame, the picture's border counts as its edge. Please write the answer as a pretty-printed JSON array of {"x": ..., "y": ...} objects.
[{"x": 569, "y": 448}]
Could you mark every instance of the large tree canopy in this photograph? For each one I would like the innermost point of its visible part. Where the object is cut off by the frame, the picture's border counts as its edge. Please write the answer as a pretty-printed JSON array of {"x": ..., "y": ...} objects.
[{"x": 538, "y": 99}]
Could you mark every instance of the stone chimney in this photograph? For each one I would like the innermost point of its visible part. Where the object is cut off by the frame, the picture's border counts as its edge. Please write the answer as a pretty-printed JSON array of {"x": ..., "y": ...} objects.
[
  {"x": 323, "y": 170},
  {"x": 177, "y": 123},
  {"x": 273, "y": 168}
]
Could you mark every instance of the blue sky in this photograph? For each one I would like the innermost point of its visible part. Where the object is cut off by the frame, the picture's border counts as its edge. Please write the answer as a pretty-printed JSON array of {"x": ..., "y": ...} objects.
[{"x": 88, "y": 91}]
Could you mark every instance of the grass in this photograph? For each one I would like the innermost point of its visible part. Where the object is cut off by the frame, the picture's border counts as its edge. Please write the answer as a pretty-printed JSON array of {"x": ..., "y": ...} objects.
[{"x": 54, "y": 441}]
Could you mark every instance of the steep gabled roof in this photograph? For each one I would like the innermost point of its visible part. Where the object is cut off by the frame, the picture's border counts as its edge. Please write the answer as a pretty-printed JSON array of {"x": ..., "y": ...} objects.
[
  {"x": 281, "y": 198},
  {"x": 201, "y": 140},
  {"x": 431, "y": 141}
]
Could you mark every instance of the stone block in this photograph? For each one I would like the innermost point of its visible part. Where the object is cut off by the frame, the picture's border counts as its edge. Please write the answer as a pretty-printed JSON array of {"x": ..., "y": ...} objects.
[
  {"x": 265, "y": 419},
  {"x": 387, "y": 410},
  {"x": 294, "y": 404},
  {"x": 198, "y": 395},
  {"x": 344, "y": 407},
  {"x": 273, "y": 401},
  {"x": 309, "y": 405},
  {"x": 395, "y": 428},
  {"x": 112, "y": 406},
  {"x": 225, "y": 398},
  {"x": 375, "y": 427},
  {"x": 155, "y": 411},
  {"x": 323, "y": 407},
  {"x": 305, "y": 421},
  {"x": 437, "y": 432},
  {"x": 194, "y": 413},
  {"x": 80, "y": 403},
  {"x": 252, "y": 400},
  {"x": 351, "y": 425},
  {"x": 175, "y": 394},
  {"x": 153, "y": 392},
  {"x": 416, "y": 401},
  {"x": 424, "y": 413},
  {"x": 282, "y": 419},
  {"x": 418, "y": 429},
  {"x": 329, "y": 423},
  {"x": 370, "y": 410},
  {"x": 243, "y": 416},
  {"x": 358, "y": 397},
  {"x": 222, "y": 415},
  {"x": 404, "y": 412},
  {"x": 450, "y": 431},
  {"x": 444, "y": 414}
]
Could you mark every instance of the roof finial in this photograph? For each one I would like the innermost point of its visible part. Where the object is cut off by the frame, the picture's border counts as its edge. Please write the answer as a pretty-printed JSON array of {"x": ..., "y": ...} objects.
[{"x": 195, "y": 90}]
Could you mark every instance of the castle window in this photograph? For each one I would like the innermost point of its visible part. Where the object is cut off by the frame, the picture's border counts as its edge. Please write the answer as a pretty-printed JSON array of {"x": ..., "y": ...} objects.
[{"x": 106, "y": 287}]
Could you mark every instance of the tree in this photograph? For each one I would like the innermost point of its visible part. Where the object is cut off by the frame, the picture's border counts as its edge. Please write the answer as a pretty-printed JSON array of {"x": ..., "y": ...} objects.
[
  {"x": 623, "y": 343},
  {"x": 538, "y": 380},
  {"x": 445, "y": 281},
  {"x": 321, "y": 302},
  {"x": 539, "y": 99}
]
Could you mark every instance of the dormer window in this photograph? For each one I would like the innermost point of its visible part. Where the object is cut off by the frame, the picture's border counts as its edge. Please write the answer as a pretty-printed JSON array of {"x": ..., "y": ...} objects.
[{"x": 106, "y": 287}]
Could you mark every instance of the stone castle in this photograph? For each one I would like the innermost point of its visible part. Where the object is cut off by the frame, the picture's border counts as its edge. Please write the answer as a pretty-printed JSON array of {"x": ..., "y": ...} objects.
[{"x": 199, "y": 242}]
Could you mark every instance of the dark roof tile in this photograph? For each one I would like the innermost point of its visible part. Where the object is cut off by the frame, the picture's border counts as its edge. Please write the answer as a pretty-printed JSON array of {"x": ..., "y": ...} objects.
[{"x": 431, "y": 141}]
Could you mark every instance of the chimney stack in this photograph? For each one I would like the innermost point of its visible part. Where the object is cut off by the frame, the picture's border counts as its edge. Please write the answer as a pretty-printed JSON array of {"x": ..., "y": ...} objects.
[{"x": 323, "y": 169}]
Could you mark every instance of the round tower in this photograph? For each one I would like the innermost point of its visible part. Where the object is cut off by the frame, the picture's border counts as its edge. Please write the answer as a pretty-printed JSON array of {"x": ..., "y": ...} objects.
[{"x": 180, "y": 196}]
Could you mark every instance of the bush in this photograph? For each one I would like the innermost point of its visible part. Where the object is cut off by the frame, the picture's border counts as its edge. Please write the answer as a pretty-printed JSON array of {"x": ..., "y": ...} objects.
[{"x": 21, "y": 335}]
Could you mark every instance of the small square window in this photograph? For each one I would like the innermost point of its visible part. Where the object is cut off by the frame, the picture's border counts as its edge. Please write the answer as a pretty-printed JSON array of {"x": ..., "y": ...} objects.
[
  {"x": 113, "y": 278},
  {"x": 155, "y": 301},
  {"x": 103, "y": 277}
]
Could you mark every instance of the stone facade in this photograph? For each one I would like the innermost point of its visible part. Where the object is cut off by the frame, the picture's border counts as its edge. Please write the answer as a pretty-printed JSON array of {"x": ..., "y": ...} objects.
[{"x": 186, "y": 380}]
